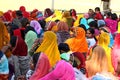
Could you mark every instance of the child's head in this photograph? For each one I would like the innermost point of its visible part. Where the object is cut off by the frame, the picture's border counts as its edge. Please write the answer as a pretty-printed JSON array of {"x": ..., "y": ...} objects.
[{"x": 34, "y": 60}]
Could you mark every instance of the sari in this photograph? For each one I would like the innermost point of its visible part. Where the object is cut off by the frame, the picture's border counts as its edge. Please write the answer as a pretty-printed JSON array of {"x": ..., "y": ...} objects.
[
  {"x": 104, "y": 40},
  {"x": 49, "y": 46},
  {"x": 63, "y": 71},
  {"x": 4, "y": 36},
  {"x": 30, "y": 37},
  {"x": 42, "y": 67},
  {"x": 79, "y": 42}
]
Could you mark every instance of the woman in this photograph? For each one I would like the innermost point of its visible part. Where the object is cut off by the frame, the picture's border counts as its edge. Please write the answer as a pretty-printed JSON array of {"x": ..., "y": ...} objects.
[
  {"x": 62, "y": 71},
  {"x": 78, "y": 43},
  {"x": 115, "y": 51},
  {"x": 49, "y": 46},
  {"x": 37, "y": 27},
  {"x": 30, "y": 37},
  {"x": 4, "y": 36},
  {"x": 62, "y": 32},
  {"x": 104, "y": 40},
  {"x": 98, "y": 62}
]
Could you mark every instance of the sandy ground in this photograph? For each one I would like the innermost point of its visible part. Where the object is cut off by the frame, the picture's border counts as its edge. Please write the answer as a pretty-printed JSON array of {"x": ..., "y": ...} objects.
[{"x": 80, "y": 5}]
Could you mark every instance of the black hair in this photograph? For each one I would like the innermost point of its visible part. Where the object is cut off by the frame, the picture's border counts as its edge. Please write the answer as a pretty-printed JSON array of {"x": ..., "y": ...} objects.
[
  {"x": 24, "y": 22},
  {"x": 83, "y": 26},
  {"x": 93, "y": 24},
  {"x": 64, "y": 47},
  {"x": 19, "y": 13},
  {"x": 28, "y": 28},
  {"x": 97, "y": 9},
  {"x": 13, "y": 41},
  {"x": 109, "y": 14},
  {"x": 92, "y": 31},
  {"x": 35, "y": 58},
  {"x": 114, "y": 16},
  {"x": 42, "y": 23}
]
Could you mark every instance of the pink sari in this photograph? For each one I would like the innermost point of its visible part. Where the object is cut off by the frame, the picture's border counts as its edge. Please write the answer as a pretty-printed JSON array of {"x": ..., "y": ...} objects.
[
  {"x": 42, "y": 67},
  {"x": 63, "y": 71}
]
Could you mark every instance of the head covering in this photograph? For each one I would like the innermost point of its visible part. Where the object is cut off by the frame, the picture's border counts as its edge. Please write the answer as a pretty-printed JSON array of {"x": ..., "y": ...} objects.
[
  {"x": 86, "y": 15},
  {"x": 81, "y": 58},
  {"x": 51, "y": 24},
  {"x": 78, "y": 43},
  {"x": 62, "y": 26},
  {"x": 50, "y": 47},
  {"x": 42, "y": 67},
  {"x": 115, "y": 51},
  {"x": 104, "y": 40},
  {"x": 90, "y": 20},
  {"x": 35, "y": 24},
  {"x": 66, "y": 14},
  {"x": 7, "y": 16},
  {"x": 4, "y": 37},
  {"x": 18, "y": 49},
  {"x": 84, "y": 21},
  {"x": 4, "y": 69},
  {"x": 63, "y": 71},
  {"x": 65, "y": 56},
  {"x": 30, "y": 37},
  {"x": 101, "y": 23}
]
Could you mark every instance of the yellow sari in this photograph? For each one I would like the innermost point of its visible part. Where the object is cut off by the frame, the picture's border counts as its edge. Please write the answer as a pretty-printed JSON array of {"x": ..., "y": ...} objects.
[
  {"x": 4, "y": 36},
  {"x": 104, "y": 40},
  {"x": 50, "y": 47}
]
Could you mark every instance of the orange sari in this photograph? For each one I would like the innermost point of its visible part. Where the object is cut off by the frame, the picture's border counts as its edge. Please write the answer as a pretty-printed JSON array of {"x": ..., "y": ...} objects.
[{"x": 78, "y": 43}]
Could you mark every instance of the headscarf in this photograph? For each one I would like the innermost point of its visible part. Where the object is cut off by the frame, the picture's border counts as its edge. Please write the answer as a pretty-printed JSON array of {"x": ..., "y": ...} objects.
[
  {"x": 18, "y": 49},
  {"x": 30, "y": 37},
  {"x": 104, "y": 40},
  {"x": 51, "y": 24},
  {"x": 101, "y": 23},
  {"x": 84, "y": 21},
  {"x": 62, "y": 26},
  {"x": 7, "y": 16},
  {"x": 116, "y": 51},
  {"x": 50, "y": 47},
  {"x": 24, "y": 12},
  {"x": 42, "y": 67},
  {"x": 4, "y": 36},
  {"x": 78, "y": 43},
  {"x": 63, "y": 71},
  {"x": 81, "y": 58},
  {"x": 35, "y": 24}
]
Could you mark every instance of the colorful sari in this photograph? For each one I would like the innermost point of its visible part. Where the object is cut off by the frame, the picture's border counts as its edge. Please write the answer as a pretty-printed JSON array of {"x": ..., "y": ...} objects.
[
  {"x": 49, "y": 46},
  {"x": 42, "y": 67},
  {"x": 63, "y": 71},
  {"x": 4, "y": 36},
  {"x": 104, "y": 40},
  {"x": 79, "y": 42}
]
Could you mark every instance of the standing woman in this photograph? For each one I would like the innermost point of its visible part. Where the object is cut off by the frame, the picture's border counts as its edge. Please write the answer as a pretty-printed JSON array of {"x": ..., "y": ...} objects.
[{"x": 49, "y": 46}]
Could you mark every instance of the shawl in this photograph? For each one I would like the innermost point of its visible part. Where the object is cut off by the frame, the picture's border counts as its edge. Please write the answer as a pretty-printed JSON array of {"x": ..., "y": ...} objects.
[
  {"x": 63, "y": 71},
  {"x": 78, "y": 43},
  {"x": 42, "y": 67},
  {"x": 50, "y": 47}
]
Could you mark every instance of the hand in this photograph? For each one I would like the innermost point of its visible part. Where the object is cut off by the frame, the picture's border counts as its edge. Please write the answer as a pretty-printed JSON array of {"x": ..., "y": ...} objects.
[{"x": 4, "y": 49}]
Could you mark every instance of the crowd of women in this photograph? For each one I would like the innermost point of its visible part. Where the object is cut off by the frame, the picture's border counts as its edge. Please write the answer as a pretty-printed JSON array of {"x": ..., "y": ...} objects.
[{"x": 59, "y": 45}]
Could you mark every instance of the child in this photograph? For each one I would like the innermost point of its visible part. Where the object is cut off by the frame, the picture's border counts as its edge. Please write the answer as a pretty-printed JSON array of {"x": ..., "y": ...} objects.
[{"x": 33, "y": 63}]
